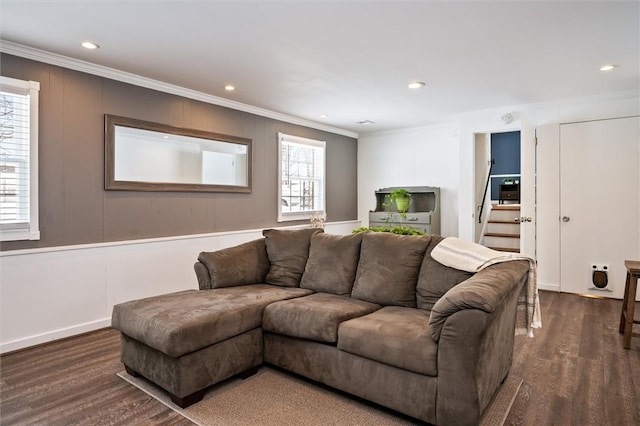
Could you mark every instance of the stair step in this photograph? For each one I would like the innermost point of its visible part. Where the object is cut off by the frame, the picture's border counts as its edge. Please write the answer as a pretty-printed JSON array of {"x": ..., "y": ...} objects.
[
  {"x": 502, "y": 227},
  {"x": 498, "y": 240},
  {"x": 497, "y": 234},
  {"x": 507, "y": 215},
  {"x": 510, "y": 250}
]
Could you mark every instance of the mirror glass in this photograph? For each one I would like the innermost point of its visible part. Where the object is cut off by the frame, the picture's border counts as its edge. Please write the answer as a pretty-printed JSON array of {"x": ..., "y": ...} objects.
[{"x": 146, "y": 156}]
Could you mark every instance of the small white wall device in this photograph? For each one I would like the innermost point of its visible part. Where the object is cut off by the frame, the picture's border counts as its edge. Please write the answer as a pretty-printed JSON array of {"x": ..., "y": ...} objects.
[
  {"x": 600, "y": 277},
  {"x": 507, "y": 118}
]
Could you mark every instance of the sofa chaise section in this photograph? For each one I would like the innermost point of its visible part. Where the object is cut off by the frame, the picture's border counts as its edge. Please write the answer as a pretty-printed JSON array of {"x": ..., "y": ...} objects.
[{"x": 189, "y": 340}]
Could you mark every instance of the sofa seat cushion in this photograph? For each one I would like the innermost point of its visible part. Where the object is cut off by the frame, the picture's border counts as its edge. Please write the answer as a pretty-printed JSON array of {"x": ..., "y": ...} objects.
[
  {"x": 314, "y": 317},
  {"x": 394, "y": 335},
  {"x": 179, "y": 323}
]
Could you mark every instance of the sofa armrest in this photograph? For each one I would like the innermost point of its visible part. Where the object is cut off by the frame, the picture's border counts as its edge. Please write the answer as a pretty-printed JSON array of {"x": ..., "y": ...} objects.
[
  {"x": 476, "y": 340},
  {"x": 202, "y": 273},
  {"x": 240, "y": 265},
  {"x": 486, "y": 290}
]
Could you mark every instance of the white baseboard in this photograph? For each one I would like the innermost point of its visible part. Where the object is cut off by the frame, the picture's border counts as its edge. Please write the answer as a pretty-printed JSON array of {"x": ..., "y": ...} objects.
[
  {"x": 53, "y": 335},
  {"x": 549, "y": 287}
]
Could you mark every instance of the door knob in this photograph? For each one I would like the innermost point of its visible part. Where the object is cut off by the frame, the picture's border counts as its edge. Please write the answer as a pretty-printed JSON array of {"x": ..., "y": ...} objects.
[
  {"x": 566, "y": 218},
  {"x": 525, "y": 219}
]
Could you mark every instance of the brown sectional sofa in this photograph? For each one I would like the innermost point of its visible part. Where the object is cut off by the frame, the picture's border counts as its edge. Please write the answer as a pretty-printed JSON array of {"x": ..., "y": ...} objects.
[{"x": 370, "y": 314}]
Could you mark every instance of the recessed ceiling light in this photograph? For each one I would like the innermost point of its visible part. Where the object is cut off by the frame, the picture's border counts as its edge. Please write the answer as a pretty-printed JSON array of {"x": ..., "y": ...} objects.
[
  {"x": 229, "y": 88},
  {"x": 607, "y": 67},
  {"x": 323, "y": 115},
  {"x": 366, "y": 122},
  {"x": 416, "y": 85},
  {"x": 89, "y": 45}
]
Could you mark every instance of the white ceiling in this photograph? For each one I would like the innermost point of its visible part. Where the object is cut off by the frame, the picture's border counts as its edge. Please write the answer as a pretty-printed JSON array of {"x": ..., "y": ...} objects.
[{"x": 351, "y": 60}]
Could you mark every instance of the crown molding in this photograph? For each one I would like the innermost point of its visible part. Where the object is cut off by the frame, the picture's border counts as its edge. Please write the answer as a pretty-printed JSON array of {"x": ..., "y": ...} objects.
[{"x": 137, "y": 80}]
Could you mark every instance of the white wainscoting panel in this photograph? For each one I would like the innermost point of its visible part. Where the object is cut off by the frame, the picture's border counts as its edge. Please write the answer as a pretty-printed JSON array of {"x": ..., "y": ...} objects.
[
  {"x": 51, "y": 293},
  {"x": 45, "y": 296},
  {"x": 134, "y": 271}
]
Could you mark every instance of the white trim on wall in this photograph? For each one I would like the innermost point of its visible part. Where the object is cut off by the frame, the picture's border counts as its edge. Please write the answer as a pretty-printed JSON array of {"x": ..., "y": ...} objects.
[
  {"x": 125, "y": 77},
  {"x": 56, "y": 292},
  {"x": 549, "y": 287},
  {"x": 50, "y": 336},
  {"x": 334, "y": 227}
]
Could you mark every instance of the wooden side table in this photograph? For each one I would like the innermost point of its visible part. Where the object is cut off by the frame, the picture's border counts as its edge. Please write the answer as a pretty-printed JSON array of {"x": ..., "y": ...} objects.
[
  {"x": 629, "y": 303},
  {"x": 509, "y": 191}
]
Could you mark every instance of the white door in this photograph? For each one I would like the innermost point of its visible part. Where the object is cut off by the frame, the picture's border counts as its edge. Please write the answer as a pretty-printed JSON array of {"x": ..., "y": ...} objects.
[
  {"x": 527, "y": 189},
  {"x": 599, "y": 202}
]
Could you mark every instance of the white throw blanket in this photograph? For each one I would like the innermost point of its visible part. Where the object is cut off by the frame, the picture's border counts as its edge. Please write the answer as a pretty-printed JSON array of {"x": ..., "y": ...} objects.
[{"x": 472, "y": 257}]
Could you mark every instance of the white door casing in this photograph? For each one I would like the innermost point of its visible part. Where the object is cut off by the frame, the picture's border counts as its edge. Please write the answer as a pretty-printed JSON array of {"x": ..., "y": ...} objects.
[
  {"x": 547, "y": 206},
  {"x": 527, "y": 189}
]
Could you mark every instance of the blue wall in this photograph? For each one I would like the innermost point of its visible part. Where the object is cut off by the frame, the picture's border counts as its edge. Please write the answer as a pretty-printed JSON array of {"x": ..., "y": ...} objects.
[{"x": 505, "y": 152}]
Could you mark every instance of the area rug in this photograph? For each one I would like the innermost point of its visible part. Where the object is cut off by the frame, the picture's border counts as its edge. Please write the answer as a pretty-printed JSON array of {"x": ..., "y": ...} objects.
[{"x": 271, "y": 397}]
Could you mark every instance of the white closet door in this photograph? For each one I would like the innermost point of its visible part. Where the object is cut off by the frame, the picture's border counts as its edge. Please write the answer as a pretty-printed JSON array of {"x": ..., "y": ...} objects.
[{"x": 599, "y": 202}]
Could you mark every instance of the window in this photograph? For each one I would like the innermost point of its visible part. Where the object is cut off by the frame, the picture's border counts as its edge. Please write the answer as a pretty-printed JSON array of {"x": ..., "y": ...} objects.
[
  {"x": 301, "y": 189},
  {"x": 18, "y": 160}
]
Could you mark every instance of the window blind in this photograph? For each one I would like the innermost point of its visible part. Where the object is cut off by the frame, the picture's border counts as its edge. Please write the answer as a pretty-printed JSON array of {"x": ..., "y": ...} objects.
[
  {"x": 18, "y": 159},
  {"x": 14, "y": 159}
]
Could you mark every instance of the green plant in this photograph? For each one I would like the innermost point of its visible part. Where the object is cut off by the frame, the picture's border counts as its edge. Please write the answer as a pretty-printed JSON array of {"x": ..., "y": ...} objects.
[
  {"x": 400, "y": 230},
  {"x": 402, "y": 198},
  {"x": 399, "y": 193}
]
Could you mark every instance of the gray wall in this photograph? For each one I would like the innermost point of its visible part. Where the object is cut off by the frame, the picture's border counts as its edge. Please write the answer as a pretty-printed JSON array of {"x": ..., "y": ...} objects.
[{"x": 75, "y": 209}]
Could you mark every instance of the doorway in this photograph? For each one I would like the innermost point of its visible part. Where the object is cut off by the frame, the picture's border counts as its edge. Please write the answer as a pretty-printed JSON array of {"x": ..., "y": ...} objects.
[
  {"x": 498, "y": 177},
  {"x": 505, "y": 170}
]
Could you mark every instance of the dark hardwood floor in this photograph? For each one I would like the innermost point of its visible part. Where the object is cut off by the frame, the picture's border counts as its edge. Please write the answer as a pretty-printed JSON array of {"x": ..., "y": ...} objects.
[
  {"x": 74, "y": 382},
  {"x": 575, "y": 372}
]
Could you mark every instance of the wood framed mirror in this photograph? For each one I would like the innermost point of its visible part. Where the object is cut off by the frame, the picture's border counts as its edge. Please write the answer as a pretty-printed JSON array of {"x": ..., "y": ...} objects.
[{"x": 146, "y": 156}]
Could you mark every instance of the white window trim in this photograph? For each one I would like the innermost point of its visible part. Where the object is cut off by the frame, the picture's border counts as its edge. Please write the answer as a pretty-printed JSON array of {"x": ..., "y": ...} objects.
[
  {"x": 30, "y": 231},
  {"x": 285, "y": 217}
]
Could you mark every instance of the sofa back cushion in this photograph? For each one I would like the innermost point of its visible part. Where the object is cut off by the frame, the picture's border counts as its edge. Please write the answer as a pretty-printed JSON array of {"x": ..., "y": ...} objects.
[
  {"x": 240, "y": 265},
  {"x": 388, "y": 268},
  {"x": 288, "y": 251},
  {"x": 332, "y": 264},
  {"x": 436, "y": 279}
]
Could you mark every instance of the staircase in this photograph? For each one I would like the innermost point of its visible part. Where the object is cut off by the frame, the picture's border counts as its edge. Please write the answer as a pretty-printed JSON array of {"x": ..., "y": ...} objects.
[{"x": 503, "y": 228}]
